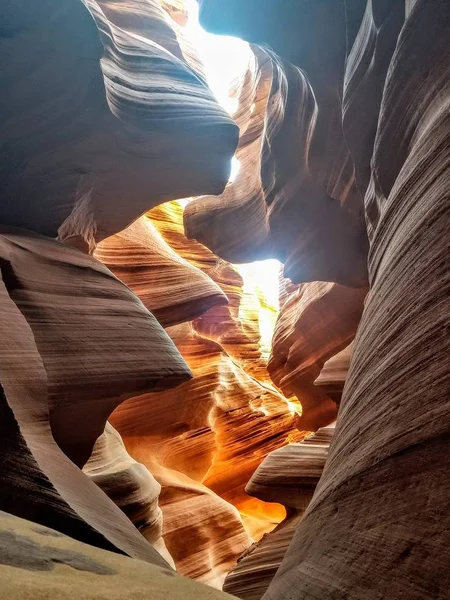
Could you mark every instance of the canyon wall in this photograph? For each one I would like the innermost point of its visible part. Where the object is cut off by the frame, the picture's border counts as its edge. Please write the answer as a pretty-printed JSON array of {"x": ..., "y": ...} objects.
[
  {"x": 377, "y": 525},
  {"x": 143, "y": 409},
  {"x": 288, "y": 475},
  {"x": 80, "y": 128}
]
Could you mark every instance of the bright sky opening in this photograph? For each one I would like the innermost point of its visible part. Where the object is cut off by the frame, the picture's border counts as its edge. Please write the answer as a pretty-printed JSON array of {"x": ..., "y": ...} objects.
[{"x": 224, "y": 59}]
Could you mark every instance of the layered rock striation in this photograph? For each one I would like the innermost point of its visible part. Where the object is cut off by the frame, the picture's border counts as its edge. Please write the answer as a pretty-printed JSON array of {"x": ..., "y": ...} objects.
[
  {"x": 111, "y": 117},
  {"x": 110, "y": 423},
  {"x": 79, "y": 369},
  {"x": 288, "y": 475},
  {"x": 83, "y": 140},
  {"x": 392, "y": 67},
  {"x": 291, "y": 200}
]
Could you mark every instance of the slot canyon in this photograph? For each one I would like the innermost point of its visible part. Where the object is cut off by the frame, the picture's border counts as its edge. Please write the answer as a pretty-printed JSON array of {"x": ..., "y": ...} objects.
[{"x": 225, "y": 299}]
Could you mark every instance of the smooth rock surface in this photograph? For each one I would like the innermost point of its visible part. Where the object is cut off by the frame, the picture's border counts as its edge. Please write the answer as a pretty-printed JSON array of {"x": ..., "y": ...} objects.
[
  {"x": 294, "y": 197},
  {"x": 290, "y": 475},
  {"x": 378, "y": 525},
  {"x": 40, "y": 563},
  {"x": 169, "y": 286},
  {"x": 56, "y": 321},
  {"x": 334, "y": 373},
  {"x": 316, "y": 321},
  {"x": 86, "y": 146},
  {"x": 130, "y": 486}
]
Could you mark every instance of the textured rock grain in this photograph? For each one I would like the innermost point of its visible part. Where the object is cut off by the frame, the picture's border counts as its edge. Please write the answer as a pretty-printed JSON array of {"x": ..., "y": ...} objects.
[
  {"x": 130, "y": 486},
  {"x": 294, "y": 197},
  {"x": 381, "y": 508},
  {"x": 290, "y": 475},
  {"x": 169, "y": 286},
  {"x": 58, "y": 306},
  {"x": 82, "y": 151},
  {"x": 316, "y": 321}
]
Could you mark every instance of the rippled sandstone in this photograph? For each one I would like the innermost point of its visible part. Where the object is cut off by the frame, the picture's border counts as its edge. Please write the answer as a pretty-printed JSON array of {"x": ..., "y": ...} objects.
[
  {"x": 289, "y": 475},
  {"x": 343, "y": 148}
]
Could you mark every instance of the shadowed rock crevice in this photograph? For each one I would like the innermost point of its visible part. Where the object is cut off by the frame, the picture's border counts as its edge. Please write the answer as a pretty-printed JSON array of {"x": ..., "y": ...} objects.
[{"x": 19, "y": 494}]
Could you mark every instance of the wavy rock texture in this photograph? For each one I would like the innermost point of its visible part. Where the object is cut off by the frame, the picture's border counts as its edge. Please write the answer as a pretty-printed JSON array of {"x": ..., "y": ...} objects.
[
  {"x": 129, "y": 485},
  {"x": 88, "y": 342},
  {"x": 295, "y": 196},
  {"x": 81, "y": 153},
  {"x": 304, "y": 162},
  {"x": 381, "y": 507},
  {"x": 40, "y": 563},
  {"x": 70, "y": 317},
  {"x": 203, "y": 532},
  {"x": 237, "y": 326},
  {"x": 365, "y": 75},
  {"x": 169, "y": 286},
  {"x": 316, "y": 321},
  {"x": 290, "y": 475},
  {"x": 334, "y": 374},
  {"x": 120, "y": 119},
  {"x": 179, "y": 436},
  {"x": 215, "y": 429},
  {"x": 171, "y": 434},
  {"x": 291, "y": 200},
  {"x": 292, "y": 472}
]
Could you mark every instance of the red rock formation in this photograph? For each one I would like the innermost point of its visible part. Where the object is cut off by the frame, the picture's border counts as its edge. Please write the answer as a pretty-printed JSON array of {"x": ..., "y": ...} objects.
[
  {"x": 216, "y": 428},
  {"x": 334, "y": 374},
  {"x": 316, "y": 321},
  {"x": 203, "y": 532},
  {"x": 169, "y": 286},
  {"x": 92, "y": 149},
  {"x": 291, "y": 200},
  {"x": 245, "y": 391},
  {"x": 129, "y": 485},
  {"x": 236, "y": 327},
  {"x": 290, "y": 476},
  {"x": 179, "y": 436},
  {"x": 78, "y": 368},
  {"x": 120, "y": 119},
  {"x": 378, "y": 524}
]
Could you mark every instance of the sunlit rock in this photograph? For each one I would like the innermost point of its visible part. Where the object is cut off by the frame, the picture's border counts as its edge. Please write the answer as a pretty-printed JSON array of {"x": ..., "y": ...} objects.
[
  {"x": 286, "y": 202},
  {"x": 290, "y": 476},
  {"x": 76, "y": 341},
  {"x": 169, "y": 286},
  {"x": 378, "y": 523},
  {"x": 316, "y": 321},
  {"x": 341, "y": 178},
  {"x": 130, "y": 485}
]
